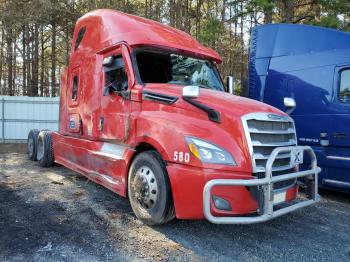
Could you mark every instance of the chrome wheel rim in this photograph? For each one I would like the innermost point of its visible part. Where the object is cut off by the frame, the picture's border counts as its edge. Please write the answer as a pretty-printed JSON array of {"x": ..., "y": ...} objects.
[
  {"x": 30, "y": 146},
  {"x": 40, "y": 150},
  {"x": 145, "y": 188}
]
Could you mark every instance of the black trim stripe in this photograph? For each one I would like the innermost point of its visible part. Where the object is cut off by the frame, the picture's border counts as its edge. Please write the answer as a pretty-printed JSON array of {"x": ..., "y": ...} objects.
[{"x": 164, "y": 99}]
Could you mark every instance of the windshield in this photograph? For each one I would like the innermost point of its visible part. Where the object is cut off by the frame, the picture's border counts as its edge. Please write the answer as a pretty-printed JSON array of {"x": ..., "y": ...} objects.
[{"x": 156, "y": 67}]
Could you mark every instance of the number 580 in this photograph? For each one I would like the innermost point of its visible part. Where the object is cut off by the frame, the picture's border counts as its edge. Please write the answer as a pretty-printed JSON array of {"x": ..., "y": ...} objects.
[{"x": 181, "y": 156}]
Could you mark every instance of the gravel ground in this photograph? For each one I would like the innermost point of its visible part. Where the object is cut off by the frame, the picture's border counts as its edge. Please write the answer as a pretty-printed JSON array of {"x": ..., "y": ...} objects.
[{"x": 54, "y": 214}]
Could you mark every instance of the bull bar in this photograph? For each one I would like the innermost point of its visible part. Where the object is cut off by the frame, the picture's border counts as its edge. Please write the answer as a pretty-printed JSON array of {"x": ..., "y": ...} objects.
[{"x": 266, "y": 183}]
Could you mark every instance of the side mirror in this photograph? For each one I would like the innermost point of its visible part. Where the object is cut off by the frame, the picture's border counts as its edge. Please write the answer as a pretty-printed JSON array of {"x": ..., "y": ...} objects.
[
  {"x": 190, "y": 91},
  {"x": 108, "y": 61},
  {"x": 290, "y": 104},
  {"x": 230, "y": 85}
]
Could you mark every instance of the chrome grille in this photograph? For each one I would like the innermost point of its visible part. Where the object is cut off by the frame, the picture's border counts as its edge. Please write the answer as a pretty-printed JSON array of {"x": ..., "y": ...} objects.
[{"x": 264, "y": 132}]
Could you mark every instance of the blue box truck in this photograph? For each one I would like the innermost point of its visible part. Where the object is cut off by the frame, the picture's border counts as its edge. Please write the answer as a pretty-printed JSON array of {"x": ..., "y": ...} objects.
[{"x": 311, "y": 66}]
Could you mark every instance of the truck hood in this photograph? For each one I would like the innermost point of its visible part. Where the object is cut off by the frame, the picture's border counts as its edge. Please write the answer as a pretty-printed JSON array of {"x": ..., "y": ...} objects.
[
  {"x": 233, "y": 105},
  {"x": 179, "y": 117}
]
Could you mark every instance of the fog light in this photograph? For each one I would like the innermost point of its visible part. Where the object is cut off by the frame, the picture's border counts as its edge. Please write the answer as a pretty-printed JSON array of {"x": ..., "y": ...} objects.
[{"x": 221, "y": 203}]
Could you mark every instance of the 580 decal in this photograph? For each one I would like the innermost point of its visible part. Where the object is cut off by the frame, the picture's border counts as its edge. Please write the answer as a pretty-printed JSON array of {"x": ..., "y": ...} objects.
[{"x": 180, "y": 156}]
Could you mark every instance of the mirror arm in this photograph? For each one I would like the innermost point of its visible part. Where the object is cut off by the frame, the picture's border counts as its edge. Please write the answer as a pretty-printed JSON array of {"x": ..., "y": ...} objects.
[
  {"x": 213, "y": 115},
  {"x": 230, "y": 84},
  {"x": 290, "y": 110}
]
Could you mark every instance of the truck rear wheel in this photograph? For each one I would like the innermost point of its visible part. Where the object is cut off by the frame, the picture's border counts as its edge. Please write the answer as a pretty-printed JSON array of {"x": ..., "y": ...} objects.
[
  {"x": 149, "y": 189},
  {"x": 45, "y": 149},
  {"x": 32, "y": 142}
]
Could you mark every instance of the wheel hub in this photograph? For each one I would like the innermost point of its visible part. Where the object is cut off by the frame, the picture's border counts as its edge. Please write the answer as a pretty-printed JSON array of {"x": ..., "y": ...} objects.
[
  {"x": 40, "y": 150},
  {"x": 145, "y": 187},
  {"x": 30, "y": 146}
]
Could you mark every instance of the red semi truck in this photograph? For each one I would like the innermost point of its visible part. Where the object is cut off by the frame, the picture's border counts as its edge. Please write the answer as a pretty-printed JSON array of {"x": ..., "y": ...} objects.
[{"x": 144, "y": 112}]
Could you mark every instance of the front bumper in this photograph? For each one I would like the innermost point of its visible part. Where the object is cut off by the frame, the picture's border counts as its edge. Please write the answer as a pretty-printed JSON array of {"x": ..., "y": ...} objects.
[{"x": 267, "y": 201}]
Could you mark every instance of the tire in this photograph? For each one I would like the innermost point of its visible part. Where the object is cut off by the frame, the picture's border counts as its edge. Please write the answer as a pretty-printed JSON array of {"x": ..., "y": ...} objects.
[
  {"x": 45, "y": 154},
  {"x": 149, "y": 189},
  {"x": 32, "y": 142}
]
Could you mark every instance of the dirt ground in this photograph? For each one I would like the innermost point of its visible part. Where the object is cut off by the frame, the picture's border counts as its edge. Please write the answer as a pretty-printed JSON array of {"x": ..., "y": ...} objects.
[{"x": 54, "y": 214}]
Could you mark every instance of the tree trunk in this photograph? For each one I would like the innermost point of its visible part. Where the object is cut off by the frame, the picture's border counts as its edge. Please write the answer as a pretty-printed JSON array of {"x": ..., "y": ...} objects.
[
  {"x": 14, "y": 56},
  {"x": 24, "y": 65},
  {"x": 42, "y": 63},
  {"x": 35, "y": 61},
  {"x": 198, "y": 18},
  {"x": 2, "y": 92},
  {"x": 267, "y": 16},
  {"x": 53, "y": 59},
  {"x": 9, "y": 61},
  {"x": 28, "y": 63},
  {"x": 242, "y": 50},
  {"x": 288, "y": 7},
  {"x": 172, "y": 12}
]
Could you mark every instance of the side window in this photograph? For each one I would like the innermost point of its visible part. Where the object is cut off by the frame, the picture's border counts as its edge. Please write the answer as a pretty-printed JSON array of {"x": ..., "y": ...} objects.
[
  {"x": 75, "y": 88},
  {"x": 116, "y": 78},
  {"x": 344, "y": 89},
  {"x": 80, "y": 36}
]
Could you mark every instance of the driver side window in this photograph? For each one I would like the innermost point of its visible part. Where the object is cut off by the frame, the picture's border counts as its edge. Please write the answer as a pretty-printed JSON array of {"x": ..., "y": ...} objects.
[
  {"x": 344, "y": 90},
  {"x": 116, "y": 79}
]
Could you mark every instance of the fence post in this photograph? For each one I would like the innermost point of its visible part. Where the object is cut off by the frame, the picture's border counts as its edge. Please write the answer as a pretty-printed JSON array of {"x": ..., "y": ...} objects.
[{"x": 3, "y": 119}]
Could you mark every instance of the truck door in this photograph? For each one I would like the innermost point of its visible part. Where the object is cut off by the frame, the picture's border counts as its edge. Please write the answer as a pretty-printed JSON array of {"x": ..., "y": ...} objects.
[
  {"x": 312, "y": 94},
  {"x": 114, "y": 119},
  {"x": 341, "y": 114},
  {"x": 339, "y": 150}
]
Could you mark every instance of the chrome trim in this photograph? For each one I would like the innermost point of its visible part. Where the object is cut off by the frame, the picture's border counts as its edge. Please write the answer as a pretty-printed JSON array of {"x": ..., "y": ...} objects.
[
  {"x": 259, "y": 156},
  {"x": 266, "y": 183},
  {"x": 110, "y": 150},
  {"x": 260, "y": 116},
  {"x": 338, "y": 158},
  {"x": 261, "y": 169},
  {"x": 336, "y": 183},
  {"x": 268, "y": 117},
  {"x": 106, "y": 178},
  {"x": 289, "y": 131},
  {"x": 289, "y": 143}
]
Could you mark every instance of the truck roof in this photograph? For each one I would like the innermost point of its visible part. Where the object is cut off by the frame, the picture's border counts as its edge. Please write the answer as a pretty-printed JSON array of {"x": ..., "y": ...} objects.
[
  {"x": 274, "y": 40},
  {"x": 105, "y": 28}
]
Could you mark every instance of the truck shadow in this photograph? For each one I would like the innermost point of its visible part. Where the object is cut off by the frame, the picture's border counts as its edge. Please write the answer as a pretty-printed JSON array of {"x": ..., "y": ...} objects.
[
  {"x": 335, "y": 196},
  {"x": 310, "y": 231},
  {"x": 30, "y": 230}
]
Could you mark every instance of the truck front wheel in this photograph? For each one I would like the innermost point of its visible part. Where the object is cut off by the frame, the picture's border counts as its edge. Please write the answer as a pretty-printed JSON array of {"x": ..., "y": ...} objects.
[{"x": 149, "y": 189}]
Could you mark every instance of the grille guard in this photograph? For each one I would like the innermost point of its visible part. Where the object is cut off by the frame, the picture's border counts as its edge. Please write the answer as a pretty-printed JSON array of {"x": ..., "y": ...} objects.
[{"x": 268, "y": 193}]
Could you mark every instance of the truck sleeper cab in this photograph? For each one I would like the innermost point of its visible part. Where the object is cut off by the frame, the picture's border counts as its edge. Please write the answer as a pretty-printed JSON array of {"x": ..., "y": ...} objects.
[
  {"x": 311, "y": 65},
  {"x": 143, "y": 112}
]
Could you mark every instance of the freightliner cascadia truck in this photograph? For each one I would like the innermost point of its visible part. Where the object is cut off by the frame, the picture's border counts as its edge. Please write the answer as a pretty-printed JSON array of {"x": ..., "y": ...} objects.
[
  {"x": 144, "y": 112},
  {"x": 310, "y": 65}
]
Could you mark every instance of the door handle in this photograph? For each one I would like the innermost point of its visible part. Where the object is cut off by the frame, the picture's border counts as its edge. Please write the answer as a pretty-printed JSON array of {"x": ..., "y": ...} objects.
[
  {"x": 101, "y": 123},
  {"x": 340, "y": 135}
]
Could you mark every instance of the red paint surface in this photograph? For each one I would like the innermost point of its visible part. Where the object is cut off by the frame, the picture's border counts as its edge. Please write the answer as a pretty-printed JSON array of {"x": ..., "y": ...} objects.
[{"x": 133, "y": 122}]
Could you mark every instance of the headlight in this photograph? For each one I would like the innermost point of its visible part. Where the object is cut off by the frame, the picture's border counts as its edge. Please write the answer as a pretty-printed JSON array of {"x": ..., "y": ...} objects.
[{"x": 209, "y": 153}]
